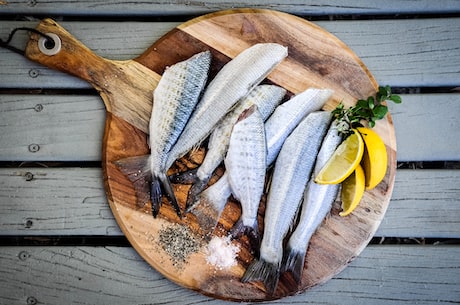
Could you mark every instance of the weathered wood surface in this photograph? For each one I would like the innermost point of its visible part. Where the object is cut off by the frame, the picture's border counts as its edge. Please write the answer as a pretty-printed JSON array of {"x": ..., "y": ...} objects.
[
  {"x": 398, "y": 52},
  {"x": 181, "y": 7},
  {"x": 125, "y": 86},
  {"x": 413, "y": 52},
  {"x": 70, "y": 127},
  {"x": 425, "y": 203},
  {"x": 387, "y": 275},
  {"x": 315, "y": 59},
  {"x": 436, "y": 135},
  {"x": 65, "y": 127}
]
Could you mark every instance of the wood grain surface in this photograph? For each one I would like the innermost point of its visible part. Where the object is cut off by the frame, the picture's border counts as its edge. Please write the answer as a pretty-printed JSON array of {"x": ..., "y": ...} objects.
[
  {"x": 166, "y": 7},
  {"x": 425, "y": 203},
  {"x": 418, "y": 60},
  {"x": 125, "y": 86},
  {"x": 316, "y": 58},
  {"x": 383, "y": 275}
]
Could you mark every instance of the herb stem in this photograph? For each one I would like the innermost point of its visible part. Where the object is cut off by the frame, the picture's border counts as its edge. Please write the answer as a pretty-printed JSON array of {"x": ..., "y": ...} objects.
[{"x": 365, "y": 110}]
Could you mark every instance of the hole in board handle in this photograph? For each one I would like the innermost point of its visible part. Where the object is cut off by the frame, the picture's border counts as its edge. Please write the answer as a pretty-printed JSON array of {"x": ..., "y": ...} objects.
[{"x": 49, "y": 47}]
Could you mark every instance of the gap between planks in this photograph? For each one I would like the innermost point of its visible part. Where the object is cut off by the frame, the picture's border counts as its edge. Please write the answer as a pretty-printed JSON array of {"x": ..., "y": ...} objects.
[
  {"x": 70, "y": 127},
  {"x": 426, "y": 52},
  {"x": 112, "y": 275},
  {"x": 71, "y": 201},
  {"x": 164, "y": 8}
]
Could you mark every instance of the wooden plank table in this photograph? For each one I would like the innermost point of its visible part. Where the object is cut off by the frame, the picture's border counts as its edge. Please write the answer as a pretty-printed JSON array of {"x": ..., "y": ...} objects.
[{"x": 59, "y": 240}]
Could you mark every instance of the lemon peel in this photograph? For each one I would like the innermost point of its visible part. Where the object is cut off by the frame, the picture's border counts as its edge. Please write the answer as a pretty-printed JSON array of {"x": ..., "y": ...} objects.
[
  {"x": 343, "y": 161},
  {"x": 352, "y": 191},
  {"x": 374, "y": 160}
]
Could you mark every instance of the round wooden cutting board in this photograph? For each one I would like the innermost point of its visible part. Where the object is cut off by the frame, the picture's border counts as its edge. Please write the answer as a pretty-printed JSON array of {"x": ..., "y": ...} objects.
[{"x": 174, "y": 246}]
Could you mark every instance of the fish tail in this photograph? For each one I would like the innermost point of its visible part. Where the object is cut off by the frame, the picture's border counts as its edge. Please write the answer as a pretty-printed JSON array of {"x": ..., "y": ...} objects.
[
  {"x": 137, "y": 170},
  {"x": 252, "y": 231},
  {"x": 206, "y": 215},
  {"x": 187, "y": 177},
  {"x": 210, "y": 203},
  {"x": 155, "y": 196},
  {"x": 194, "y": 191},
  {"x": 261, "y": 270},
  {"x": 294, "y": 262},
  {"x": 198, "y": 185},
  {"x": 167, "y": 187}
]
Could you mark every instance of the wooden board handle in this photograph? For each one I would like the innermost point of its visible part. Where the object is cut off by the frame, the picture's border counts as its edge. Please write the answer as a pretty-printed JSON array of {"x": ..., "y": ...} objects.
[{"x": 125, "y": 86}]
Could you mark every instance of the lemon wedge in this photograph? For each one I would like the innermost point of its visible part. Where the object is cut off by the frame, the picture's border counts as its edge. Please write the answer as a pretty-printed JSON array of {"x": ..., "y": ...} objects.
[
  {"x": 352, "y": 191},
  {"x": 374, "y": 161},
  {"x": 343, "y": 161}
]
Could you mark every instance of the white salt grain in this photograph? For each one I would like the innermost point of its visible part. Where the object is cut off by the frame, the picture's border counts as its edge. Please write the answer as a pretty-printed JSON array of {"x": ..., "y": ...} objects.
[{"x": 221, "y": 253}]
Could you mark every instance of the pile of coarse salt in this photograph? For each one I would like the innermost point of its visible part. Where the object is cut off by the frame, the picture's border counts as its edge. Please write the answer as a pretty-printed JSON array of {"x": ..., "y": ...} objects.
[{"x": 221, "y": 253}]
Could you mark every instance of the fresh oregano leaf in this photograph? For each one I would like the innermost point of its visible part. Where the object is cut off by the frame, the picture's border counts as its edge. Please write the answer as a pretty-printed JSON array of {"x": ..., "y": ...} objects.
[
  {"x": 368, "y": 110},
  {"x": 396, "y": 99},
  {"x": 380, "y": 111},
  {"x": 370, "y": 102}
]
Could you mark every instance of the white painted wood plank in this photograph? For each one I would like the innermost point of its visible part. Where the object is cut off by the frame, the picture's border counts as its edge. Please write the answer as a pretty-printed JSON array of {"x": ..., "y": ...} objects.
[
  {"x": 417, "y": 52},
  {"x": 71, "y": 127},
  {"x": 71, "y": 201},
  {"x": 414, "y": 52},
  {"x": 424, "y": 203},
  {"x": 63, "y": 201},
  {"x": 427, "y": 127},
  {"x": 110, "y": 275},
  {"x": 168, "y": 7},
  {"x": 64, "y": 127},
  {"x": 135, "y": 38}
]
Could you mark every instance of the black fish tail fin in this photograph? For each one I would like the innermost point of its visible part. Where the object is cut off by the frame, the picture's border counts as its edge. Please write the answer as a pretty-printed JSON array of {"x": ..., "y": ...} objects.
[
  {"x": 239, "y": 229},
  {"x": 137, "y": 170},
  {"x": 294, "y": 261},
  {"x": 167, "y": 187},
  {"x": 261, "y": 270},
  {"x": 194, "y": 191},
  {"x": 155, "y": 196},
  {"x": 187, "y": 177}
]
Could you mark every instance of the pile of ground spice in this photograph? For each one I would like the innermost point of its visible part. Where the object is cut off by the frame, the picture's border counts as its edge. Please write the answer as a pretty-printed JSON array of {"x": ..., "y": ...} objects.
[{"x": 179, "y": 242}]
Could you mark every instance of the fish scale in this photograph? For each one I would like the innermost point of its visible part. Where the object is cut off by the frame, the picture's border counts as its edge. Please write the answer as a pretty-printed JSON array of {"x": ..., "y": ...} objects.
[
  {"x": 174, "y": 100},
  {"x": 266, "y": 97},
  {"x": 175, "y": 97},
  {"x": 210, "y": 203},
  {"x": 245, "y": 164},
  {"x": 233, "y": 82},
  {"x": 293, "y": 168},
  {"x": 288, "y": 115}
]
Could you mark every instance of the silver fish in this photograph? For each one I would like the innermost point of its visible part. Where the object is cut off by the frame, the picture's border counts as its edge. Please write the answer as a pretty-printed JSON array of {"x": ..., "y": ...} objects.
[
  {"x": 175, "y": 97},
  {"x": 233, "y": 82},
  {"x": 245, "y": 164},
  {"x": 292, "y": 170},
  {"x": 317, "y": 202},
  {"x": 208, "y": 206},
  {"x": 287, "y": 116},
  {"x": 266, "y": 97}
]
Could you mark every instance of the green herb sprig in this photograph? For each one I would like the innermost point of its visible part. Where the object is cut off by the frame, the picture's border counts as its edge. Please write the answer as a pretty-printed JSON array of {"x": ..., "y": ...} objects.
[{"x": 369, "y": 110}]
